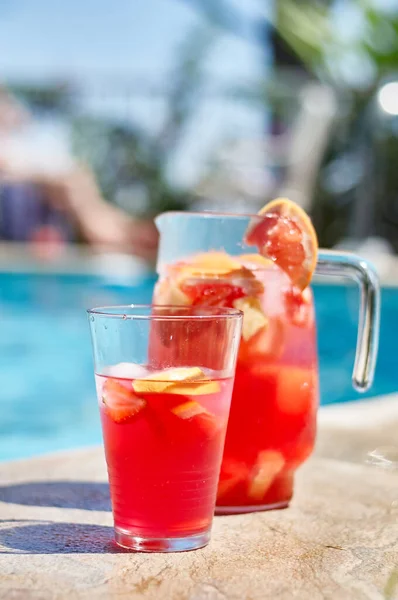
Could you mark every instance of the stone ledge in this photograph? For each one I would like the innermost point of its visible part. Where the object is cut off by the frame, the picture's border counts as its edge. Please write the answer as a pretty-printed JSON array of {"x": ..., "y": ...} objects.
[{"x": 338, "y": 540}]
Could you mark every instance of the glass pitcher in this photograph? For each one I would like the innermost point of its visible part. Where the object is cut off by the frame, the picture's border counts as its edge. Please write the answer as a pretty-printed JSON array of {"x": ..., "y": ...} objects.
[{"x": 272, "y": 423}]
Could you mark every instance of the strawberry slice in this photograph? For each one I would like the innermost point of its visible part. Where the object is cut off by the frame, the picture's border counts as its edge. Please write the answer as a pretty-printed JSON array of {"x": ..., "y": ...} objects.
[{"x": 120, "y": 403}]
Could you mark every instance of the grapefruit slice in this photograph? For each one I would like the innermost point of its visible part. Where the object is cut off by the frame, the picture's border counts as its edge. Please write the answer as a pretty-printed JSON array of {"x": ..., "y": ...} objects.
[
  {"x": 286, "y": 235},
  {"x": 190, "y": 381},
  {"x": 120, "y": 403},
  {"x": 211, "y": 293},
  {"x": 269, "y": 464}
]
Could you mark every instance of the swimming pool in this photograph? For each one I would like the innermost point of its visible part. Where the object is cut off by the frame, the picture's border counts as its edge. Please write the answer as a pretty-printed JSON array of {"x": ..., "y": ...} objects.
[{"x": 47, "y": 395}]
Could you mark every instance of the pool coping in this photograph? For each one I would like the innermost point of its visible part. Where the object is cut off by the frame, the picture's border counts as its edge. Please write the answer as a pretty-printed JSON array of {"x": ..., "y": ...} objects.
[
  {"x": 74, "y": 260},
  {"x": 338, "y": 539},
  {"x": 82, "y": 260}
]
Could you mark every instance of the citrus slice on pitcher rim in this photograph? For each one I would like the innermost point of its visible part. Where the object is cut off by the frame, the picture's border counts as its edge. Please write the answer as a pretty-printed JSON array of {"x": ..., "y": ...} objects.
[{"x": 284, "y": 233}]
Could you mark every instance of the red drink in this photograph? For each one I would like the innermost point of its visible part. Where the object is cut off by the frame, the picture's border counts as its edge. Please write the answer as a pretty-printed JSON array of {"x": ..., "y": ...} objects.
[
  {"x": 163, "y": 437},
  {"x": 272, "y": 422}
]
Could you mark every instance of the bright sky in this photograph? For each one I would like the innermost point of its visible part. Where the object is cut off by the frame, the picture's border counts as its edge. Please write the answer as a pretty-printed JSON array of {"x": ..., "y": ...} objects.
[
  {"x": 113, "y": 41},
  {"x": 127, "y": 36}
]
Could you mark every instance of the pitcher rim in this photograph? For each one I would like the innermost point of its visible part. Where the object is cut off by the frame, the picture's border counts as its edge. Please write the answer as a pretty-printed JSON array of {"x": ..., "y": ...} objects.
[{"x": 209, "y": 213}]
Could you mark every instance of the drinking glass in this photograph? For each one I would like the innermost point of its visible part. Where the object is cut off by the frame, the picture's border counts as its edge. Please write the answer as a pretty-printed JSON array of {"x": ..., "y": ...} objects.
[{"x": 164, "y": 378}]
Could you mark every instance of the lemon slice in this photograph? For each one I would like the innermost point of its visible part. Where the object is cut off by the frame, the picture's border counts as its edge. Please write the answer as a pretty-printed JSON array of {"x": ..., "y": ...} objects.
[
  {"x": 253, "y": 317},
  {"x": 194, "y": 389},
  {"x": 183, "y": 380}
]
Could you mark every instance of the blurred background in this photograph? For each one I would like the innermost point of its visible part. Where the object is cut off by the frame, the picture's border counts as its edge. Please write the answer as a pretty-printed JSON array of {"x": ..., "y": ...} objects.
[{"x": 110, "y": 114}]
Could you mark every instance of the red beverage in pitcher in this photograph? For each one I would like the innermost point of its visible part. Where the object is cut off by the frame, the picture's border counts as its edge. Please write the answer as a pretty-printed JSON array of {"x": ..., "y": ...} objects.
[
  {"x": 272, "y": 421},
  {"x": 263, "y": 265},
  {"x": 163, "y": 437}
]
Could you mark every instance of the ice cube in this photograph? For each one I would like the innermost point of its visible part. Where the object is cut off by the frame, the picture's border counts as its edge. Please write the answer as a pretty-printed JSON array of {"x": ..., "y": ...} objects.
[{"x": 126, "y": 370}]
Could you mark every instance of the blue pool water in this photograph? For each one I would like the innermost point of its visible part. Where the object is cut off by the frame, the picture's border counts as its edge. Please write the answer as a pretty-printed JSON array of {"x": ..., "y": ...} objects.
[{"x": 47, "y": 395}]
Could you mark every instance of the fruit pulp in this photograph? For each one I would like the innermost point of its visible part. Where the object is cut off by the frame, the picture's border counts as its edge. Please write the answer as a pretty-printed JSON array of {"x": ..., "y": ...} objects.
[
  {"x": 163, "y": 452},
  {"x": 272, "y": 423}
]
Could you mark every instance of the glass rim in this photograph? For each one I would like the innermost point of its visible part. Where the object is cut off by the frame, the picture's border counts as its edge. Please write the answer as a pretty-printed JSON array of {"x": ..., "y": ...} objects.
[{"x": 206, "y": 312}]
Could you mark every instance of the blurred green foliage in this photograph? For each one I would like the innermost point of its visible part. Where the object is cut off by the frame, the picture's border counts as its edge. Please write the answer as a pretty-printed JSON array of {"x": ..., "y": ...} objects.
[
  {"x": 324, "y": 42},
  {"x": 352, "y": 46}
]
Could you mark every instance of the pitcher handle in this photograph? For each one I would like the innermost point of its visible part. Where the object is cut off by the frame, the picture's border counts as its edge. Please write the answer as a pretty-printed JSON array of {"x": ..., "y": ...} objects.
[{"x": 345, "y": 264}]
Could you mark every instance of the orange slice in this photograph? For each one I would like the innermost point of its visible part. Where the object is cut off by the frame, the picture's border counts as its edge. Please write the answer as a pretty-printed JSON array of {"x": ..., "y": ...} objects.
[
  {"x": 211, "y": 265},
  {"x": 286, "y": 235},
  {"x": 269, "y": 464},
  {"x": 253, "y": 317},
  {"x": 214, "y": 264},
  {"x": 190, "y": 381}
]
